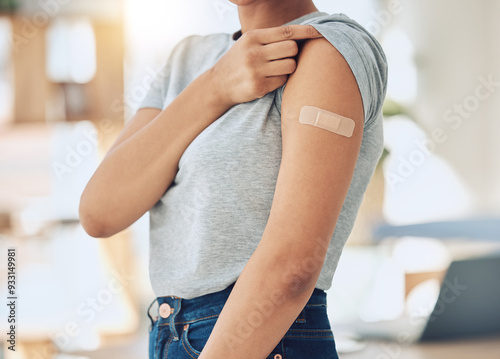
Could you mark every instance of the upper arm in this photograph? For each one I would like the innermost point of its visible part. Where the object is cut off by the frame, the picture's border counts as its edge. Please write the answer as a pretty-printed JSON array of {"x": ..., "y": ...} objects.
[{"x": 317, "y": 165}]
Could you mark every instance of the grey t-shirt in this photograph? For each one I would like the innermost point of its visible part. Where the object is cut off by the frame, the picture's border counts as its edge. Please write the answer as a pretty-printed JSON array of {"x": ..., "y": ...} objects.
[{"x": 211, "y": 219}]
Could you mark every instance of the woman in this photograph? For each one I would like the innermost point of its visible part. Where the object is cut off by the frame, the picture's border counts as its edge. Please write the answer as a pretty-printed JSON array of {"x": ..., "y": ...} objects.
[{"x": 249, "y": 207}]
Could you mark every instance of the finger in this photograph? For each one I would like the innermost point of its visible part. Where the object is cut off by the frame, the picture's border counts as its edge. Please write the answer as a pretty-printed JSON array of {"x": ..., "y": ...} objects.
[
  {"x": 280, "y": 50},
  {"x": 274, "y": 82},
  {"x": 280, "y": 67},
  {"x": 288, "y": 32}
]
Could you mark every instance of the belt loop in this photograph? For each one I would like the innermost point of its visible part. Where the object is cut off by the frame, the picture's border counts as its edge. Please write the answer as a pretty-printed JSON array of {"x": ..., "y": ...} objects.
[
  {"x": 171, "y": 318},
  {"x": 149, "y": 315}
]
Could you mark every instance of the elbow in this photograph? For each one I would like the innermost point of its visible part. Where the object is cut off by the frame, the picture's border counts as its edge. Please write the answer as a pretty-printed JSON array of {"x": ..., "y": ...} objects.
[
  {"x": 300, "y": 279},
  {"x": 93, "y": 224},
  {"x": 294, "y": 272},
  {"x": 93, "y": 227}
]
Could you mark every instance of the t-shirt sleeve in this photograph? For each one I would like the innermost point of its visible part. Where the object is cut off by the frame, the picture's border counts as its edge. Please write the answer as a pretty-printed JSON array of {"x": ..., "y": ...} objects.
[
  {"x": 157, "y": 93},
  {"x": 364, "y": 56}
]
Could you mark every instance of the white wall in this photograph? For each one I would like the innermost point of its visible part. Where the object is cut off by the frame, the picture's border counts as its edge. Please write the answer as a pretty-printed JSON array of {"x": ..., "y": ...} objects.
[
  {"x": 493, "y": 63},
  {"x": 457, "y": 42}
]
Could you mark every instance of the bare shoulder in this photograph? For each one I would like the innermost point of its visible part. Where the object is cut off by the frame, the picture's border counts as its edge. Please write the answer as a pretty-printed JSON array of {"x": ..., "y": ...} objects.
[{"x": 323, "y": 78}]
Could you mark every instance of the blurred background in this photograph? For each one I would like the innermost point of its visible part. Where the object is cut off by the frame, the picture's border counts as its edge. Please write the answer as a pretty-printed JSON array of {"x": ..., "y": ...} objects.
[{"x": 71, "y": 73}]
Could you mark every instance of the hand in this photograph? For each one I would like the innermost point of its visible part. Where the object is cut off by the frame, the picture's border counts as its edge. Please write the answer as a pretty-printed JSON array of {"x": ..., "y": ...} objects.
[{"x": 259, "y": 62}]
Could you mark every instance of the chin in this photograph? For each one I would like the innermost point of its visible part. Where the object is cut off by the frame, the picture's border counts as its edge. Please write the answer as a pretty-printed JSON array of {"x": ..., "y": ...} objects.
[{"x": 242, "y": 2}]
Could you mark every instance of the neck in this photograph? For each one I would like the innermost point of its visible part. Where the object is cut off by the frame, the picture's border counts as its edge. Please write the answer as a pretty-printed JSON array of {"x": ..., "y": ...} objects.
[{"x": 272, "y": 13}]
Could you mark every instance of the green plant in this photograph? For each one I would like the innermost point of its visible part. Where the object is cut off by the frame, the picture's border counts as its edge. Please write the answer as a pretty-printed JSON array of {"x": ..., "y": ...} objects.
[
  {"x": 391, "y": 108},
  {"x": 8, "y": 6}
]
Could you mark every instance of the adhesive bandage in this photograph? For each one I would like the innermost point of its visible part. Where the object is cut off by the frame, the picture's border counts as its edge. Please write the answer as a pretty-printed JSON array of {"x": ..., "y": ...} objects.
[{"x": 310, "y": 115}]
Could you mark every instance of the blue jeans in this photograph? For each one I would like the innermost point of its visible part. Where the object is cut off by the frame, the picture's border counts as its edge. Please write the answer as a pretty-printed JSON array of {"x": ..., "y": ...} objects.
[{"x": 182, "y": 327}]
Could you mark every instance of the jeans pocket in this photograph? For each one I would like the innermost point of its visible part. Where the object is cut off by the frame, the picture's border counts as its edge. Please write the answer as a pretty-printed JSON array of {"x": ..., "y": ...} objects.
[
  {"x": 195, "y": 335},
  {"x": 309, "y": 343}
]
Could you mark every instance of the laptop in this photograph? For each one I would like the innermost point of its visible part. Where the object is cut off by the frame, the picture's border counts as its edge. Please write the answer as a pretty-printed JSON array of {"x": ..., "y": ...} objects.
[{"x": 468, "y": 306}]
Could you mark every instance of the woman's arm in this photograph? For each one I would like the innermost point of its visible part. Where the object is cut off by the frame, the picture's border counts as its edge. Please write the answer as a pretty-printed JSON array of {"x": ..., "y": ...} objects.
[
  {"x": 315, "y": 173},
  {"x": 144, "y": 161},
  {"x": 136, "y": 172}
]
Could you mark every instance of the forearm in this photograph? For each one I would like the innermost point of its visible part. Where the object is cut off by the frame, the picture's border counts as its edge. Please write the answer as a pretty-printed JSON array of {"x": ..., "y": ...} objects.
[
  {"x": 265, "y": 301},
  {"x": 136, "y": 173}
]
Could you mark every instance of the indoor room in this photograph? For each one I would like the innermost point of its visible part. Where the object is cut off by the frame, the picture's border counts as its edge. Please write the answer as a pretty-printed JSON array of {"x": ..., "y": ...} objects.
[{"x": 131, "y": 201}]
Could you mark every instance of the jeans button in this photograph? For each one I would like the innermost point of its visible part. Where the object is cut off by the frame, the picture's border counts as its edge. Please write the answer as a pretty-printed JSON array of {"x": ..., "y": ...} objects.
[
  {"x": 165, "y": 310},
  {"x": 277, "y": 356}
]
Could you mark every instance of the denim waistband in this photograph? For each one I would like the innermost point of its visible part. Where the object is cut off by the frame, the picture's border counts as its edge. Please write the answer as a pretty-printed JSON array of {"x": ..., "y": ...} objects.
[{"x": 183, "y": 311}]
